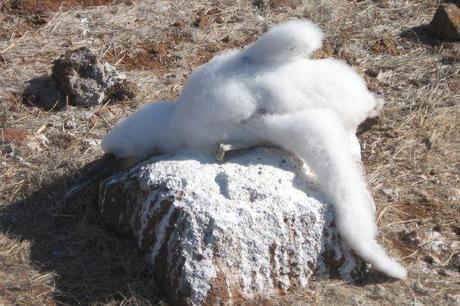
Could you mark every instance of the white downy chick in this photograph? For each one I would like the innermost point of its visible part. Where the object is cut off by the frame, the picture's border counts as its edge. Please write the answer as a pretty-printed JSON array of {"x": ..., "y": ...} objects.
[{"x": 272, "y": 93}]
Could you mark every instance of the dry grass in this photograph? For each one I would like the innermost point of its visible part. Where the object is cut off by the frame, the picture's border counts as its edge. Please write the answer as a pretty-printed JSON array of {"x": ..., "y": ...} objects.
[{"x": 53, "y": 252}]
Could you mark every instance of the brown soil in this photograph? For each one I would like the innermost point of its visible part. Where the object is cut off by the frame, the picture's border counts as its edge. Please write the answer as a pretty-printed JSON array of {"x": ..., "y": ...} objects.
[
  {"x": 150, "y": 56},
  {"x": 32, "y": 7},
  {"x": 385, "y": 45},
  {"x": 30, "y": 15}
]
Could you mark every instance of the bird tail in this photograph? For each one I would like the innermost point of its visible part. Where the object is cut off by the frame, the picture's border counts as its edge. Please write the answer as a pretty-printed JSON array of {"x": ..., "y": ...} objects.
[
  {"x": 318, "y": 138},
  {"x": 377, "y": 109},
  {"x": 94, "y": 171},
  {"x": 283, "y": 42}
]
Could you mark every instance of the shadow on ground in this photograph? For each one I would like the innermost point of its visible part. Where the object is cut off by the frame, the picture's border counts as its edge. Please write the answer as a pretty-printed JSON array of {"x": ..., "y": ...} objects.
[
  {"x": 90, "y": 265},
  {"x": 43, "y": 93},
  {"x": 421, "y": 34}
]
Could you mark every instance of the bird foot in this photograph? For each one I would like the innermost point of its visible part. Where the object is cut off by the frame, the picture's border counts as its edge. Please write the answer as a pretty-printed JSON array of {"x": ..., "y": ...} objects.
[{"x": 227, "y": 147}]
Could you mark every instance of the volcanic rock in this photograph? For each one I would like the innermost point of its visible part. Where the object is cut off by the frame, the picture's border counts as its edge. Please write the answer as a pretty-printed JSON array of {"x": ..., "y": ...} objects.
[
  {"x": 88, "y": 81},
  {"x": 244, "y": 230}
]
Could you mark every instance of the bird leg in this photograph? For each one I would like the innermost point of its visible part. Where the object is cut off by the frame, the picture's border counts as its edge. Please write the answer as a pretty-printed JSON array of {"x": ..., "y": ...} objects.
[{"x": 227, "y": 147}]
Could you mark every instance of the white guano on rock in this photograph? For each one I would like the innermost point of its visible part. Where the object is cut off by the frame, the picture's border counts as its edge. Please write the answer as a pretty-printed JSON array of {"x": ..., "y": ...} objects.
[{"x": 246, "y": 229}]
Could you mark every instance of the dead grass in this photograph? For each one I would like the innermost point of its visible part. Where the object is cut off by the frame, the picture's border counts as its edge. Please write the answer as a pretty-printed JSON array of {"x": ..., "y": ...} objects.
[
  {"x": 58, "y": 253},
  {"x": 28, "y": 7}
]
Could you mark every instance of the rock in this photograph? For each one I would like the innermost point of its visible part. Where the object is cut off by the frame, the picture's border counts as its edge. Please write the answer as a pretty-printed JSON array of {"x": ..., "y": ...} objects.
[
  {"x": 372, "y": 72},
  {"x": 409, "y": 237},
  {"x": 432, "y": 260},
  {"x": 446, "y": 21},
  {"x": 259, "y": 3},
  {"x": 87, "y": 81},
  {"x": 69, "y": 124},
  {"x": 245, "y": 230}
]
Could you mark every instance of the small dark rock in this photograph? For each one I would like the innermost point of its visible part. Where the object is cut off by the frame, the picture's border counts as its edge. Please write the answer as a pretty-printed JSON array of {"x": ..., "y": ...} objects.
[
  {"x": 38, "y": 20},
  {"x": 69, "y": 124},
  {"x": 79, "y": 78},
  {"x": 87, "y": 81},
  {"x": 372, "y": 72},
  {"x": 409, "y": 237},
  {"x": 428, "y": 143},
  {"x": 7, "y": 148},
  {"x": 457, "y": 230},
  {"x": 259, "y": 3},
  {"x": 178, "y": 24},
  {"x": 432, "y": 260}
]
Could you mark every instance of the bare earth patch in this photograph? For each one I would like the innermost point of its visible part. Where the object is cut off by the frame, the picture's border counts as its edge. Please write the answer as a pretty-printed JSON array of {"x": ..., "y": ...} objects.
[{"x": 53, "y": 252}]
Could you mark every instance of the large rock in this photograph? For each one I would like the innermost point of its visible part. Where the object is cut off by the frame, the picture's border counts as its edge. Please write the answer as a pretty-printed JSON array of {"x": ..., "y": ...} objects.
[{"x": 247, "y": 229}]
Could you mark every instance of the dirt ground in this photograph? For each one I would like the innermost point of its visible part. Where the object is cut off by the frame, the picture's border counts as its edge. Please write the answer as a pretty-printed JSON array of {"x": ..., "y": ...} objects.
[{"x": 53, "y": 252}]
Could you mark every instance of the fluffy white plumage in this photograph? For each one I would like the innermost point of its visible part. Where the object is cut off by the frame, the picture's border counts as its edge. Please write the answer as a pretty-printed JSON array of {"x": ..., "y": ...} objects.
[{"x": 271, "y": 92}]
